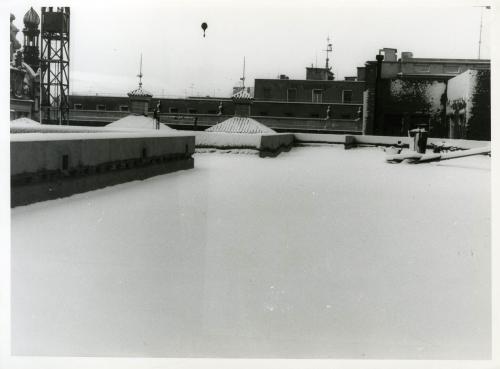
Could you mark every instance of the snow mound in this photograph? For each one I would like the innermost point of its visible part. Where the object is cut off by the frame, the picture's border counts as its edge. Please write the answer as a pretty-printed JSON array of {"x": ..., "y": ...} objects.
[
  {"x": 24, "y": 121},
  {"x": 137, "y": 122},
  {"x": 240, "y": 125}
]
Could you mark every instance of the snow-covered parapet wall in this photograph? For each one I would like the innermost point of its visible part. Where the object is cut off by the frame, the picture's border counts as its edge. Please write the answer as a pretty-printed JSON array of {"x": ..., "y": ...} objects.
[
  {"x": 268, "y": 144},
  {"x": 51, "y": 165},
  {"x": 372, "y": 140}
]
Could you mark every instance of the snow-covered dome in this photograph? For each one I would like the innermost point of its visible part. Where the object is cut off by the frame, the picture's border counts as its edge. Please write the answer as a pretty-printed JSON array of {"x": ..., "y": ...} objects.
[
  {"x": 31, "y": 19},
  {"x": 139, "y": 92},
  {"x": 240, "y": 125},
  {"x": 139, "y": 122}
]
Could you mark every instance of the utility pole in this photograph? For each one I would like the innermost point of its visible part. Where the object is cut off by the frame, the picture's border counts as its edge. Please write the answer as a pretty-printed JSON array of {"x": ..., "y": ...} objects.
[{"x": 481, "y": 27}]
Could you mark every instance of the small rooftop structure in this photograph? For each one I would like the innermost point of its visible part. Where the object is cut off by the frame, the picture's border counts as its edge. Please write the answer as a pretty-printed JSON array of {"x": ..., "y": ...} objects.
[
  {"x": 139, "y": 92},
  {"x": 240, "y": 125},
  {"x": 241, "y": 122},
  {"x": 139, "y": 98}
]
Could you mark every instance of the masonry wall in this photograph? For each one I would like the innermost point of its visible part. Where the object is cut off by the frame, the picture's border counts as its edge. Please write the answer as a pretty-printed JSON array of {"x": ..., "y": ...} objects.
[
  {"x": 267, "y": 144},
  {"x": 468, "y": 107},
  {"x": 273, "y": 144},
  {"x": 479, "y": 125},
  {"x": 114, "y": 107},
  {"x": 56, "y": 165},
  {"x": 307, "y": 110},
  {"x": 173, "y": 105},
  {"x": 277, "y": 90},
  {"x": 199, "y": 122},
  {"x": 409, "y": 103}
]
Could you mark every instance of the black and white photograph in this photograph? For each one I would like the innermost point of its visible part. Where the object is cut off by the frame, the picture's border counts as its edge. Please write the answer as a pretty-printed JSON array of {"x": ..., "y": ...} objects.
[{"x": 191, "y": 184}]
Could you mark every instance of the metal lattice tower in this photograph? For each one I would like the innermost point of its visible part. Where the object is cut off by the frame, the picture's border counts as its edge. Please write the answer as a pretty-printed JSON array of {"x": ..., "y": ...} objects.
[{"x": 54, "y": 64}]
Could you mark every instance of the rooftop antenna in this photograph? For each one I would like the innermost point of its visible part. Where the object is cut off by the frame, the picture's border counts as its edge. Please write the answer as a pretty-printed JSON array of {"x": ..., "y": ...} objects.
[
  {"x": 481, "y": 26},
  {"x": 140, "y": 73},
  {"x": 243, "y": 78},
  {"x": 328, "y": 50}
]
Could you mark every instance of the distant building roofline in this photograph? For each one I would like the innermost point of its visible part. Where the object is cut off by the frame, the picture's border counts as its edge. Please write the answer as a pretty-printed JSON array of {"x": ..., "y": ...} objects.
[
  {"x": 444, "y": 60},
  {"x": 320, "y": 68},
  {"x": 308, "y": 80},
  {"x": 437, "y": 60}
]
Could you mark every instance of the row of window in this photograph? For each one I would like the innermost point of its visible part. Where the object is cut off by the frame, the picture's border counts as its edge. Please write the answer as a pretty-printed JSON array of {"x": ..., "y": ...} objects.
[
  {"x": 312, "y": 115},
  {"x": 102, "y": 107},
  {"x": 194, "y": 111},
  {"x": 426, "y": 68},
  {"x": 317, "y": 95}
]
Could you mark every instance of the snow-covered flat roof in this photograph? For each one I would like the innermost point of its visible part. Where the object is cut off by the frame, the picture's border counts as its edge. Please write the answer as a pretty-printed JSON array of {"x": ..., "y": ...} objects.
[{"x": 319, "y": 253}]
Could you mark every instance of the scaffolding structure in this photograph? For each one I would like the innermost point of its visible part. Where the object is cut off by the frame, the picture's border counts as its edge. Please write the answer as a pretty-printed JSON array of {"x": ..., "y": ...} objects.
[{"x": 54, "y": 64}]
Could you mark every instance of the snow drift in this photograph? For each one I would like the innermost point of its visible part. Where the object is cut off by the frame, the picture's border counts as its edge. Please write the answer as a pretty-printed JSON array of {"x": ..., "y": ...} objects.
[{"x": 138, "y": 122}]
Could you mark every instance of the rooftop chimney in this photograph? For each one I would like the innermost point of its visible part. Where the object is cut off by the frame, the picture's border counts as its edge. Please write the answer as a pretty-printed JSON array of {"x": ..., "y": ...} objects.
[
  {"x": 390, "y": 55},
  {"x": 406, "y": 55}
]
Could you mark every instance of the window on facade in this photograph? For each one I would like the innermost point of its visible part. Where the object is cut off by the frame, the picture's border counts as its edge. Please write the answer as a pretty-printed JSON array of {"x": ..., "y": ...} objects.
[
  {"x": 314, "y": 115},
  {"x": 289, "y": 115},
  {"x": 347, "y": 96},
  {"x": 101, "y": 107},
  {"x": 317, "y": 96},
  {"x": 422, "y": 68},
  {"x": 264, "y": 113},
  {"x": 78, "y": 106},
  {"x": 65, "y": 162},
  {"x": 267, "y": 93},
  {"x": 291, "y": 94},
  {"x": 345, "y": 116},
  {"x": 452, "y": 69},
  {"x": 212, "y": 112},
  {"x": 192, "y": 111},
  {"x": 123, "y": 107},
  {"x": 173, "y": 110}
]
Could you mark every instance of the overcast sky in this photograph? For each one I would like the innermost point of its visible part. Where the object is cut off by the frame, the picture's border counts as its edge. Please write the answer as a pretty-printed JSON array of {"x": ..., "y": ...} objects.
[{"x": 276, "y": 37}]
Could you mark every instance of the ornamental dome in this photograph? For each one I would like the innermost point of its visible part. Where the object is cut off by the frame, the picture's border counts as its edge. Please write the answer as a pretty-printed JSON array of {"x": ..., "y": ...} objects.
[
  {"x": 31, "y": 19},
  {"x": 139, "y": 92},
  {"x": 242, "y": 97}
]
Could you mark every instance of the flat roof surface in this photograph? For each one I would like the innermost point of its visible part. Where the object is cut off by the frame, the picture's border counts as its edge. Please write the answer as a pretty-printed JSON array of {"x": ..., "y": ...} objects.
[{"x": 319, "y": 253}]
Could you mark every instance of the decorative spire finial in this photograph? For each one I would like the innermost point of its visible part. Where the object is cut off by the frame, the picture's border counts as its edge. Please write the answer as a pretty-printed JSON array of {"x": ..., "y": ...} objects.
[
  {"x": 242, "y": 79},
  {"x": 140, "y": 73},
  {"x": 328, "y": 50}
]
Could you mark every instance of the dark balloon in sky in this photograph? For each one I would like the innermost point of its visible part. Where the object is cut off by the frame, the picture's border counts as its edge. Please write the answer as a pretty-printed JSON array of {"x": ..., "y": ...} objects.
[{"x": 204, "y": 26}]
